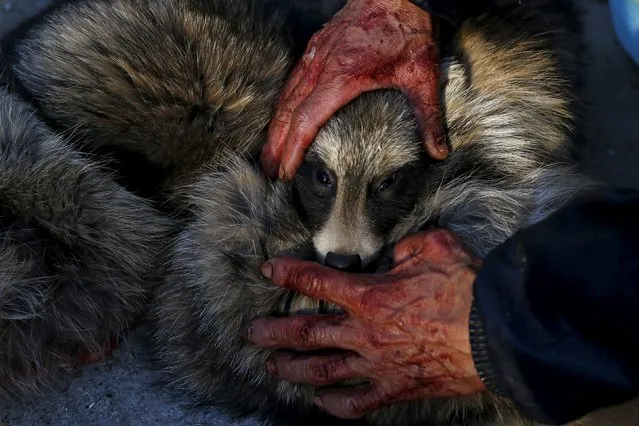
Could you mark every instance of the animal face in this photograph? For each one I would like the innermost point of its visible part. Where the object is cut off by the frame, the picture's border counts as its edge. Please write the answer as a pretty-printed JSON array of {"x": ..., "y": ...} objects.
[{"x": 363, "y": 174}]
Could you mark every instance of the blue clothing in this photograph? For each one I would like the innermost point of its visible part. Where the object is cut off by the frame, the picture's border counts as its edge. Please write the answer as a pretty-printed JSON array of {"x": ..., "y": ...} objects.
[
  {"x": 625, "y": 19},
  {"x": 554, "y": 320}
]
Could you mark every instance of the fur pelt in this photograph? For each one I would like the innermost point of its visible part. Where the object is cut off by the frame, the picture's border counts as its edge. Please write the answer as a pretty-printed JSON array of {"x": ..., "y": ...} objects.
[
  {"x": 190, "y": 86},
  {"x": 77, "y": 253}
]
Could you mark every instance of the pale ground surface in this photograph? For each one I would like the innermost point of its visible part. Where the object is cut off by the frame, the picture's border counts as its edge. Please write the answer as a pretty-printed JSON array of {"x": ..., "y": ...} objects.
[{"x": 123, "y": 389}]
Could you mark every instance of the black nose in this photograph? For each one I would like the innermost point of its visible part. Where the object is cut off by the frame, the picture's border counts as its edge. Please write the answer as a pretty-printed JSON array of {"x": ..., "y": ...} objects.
[{"x": 344, "y": 262}]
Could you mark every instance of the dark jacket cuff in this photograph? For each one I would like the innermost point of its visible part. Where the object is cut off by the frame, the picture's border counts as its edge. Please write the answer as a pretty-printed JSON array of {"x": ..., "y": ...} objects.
[
  {"x": 499, "y": 300},
  {"x": 553, "y": 319},
  {"x": 481, "y": 358}
]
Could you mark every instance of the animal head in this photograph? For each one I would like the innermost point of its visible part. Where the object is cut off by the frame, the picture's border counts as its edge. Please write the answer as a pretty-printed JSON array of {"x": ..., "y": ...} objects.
[
  {"x": 367, "y": 180},
  {"x": 362, "y": 175}
]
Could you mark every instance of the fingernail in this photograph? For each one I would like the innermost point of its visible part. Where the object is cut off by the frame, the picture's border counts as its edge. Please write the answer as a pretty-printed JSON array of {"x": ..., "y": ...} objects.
[
  {"x": 271, "y": 368},
  {"x": 267, "y": 270},
  {"x": 318, "y": 401},
  {"x": 282, "y": 173}
]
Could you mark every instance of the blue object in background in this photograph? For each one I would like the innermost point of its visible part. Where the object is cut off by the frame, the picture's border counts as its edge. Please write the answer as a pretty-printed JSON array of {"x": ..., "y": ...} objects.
[{"x": 625, "y": 19}]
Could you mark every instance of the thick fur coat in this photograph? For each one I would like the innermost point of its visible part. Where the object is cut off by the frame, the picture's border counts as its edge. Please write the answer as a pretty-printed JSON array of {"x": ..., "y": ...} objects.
[
  {"x": 77, "y": 252},
  {"x": 510, "y": 114},
  {"x": 190, "y": 86},
  {"x": 509, "y": 168}
]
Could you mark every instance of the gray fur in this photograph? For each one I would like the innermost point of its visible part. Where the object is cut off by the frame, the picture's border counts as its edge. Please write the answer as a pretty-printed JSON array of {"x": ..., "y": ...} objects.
[
  {"x": 194, "y": 91},
  {"x": 159, "y": 77},
  {"x": 510, "y": 117},
  {"x": 77, "y": 253}
]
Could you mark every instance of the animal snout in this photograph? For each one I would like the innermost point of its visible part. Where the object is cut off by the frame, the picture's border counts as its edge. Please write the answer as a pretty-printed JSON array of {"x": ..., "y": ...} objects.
[{"x": 344, "y": 262}]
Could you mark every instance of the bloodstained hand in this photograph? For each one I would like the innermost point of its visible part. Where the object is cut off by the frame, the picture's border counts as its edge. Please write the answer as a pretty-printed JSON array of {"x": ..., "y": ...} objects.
[
  {"x": 368, "y": 45},
  {"x": 407, "y": 331}
]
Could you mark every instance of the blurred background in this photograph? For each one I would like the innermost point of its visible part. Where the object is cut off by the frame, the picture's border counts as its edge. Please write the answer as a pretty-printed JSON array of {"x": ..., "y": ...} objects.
[{"x": 115, "y": 392}]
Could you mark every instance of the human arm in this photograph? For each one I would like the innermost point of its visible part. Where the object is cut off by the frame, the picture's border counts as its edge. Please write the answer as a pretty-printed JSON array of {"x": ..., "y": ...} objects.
[
  {"x": 554, "y": 322},
  {"x": 551, "y": 325}
]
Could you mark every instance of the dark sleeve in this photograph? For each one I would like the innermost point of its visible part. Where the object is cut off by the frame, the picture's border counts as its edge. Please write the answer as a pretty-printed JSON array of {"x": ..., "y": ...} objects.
[{"x": 555, "y": 317}]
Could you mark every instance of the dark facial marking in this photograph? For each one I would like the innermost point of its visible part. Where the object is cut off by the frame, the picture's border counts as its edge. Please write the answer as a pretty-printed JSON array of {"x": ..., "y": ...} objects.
[
  {"x": 315, "y": 187},
  {"x": 387, "y": 183},
  {"x": 389, "y": 198},
  {"x": 323, "y": 178},
  {"x": 393, "y": 196}
]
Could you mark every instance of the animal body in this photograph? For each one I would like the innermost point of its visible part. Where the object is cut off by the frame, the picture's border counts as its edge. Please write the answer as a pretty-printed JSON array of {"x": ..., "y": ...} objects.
[
  {"x": 507, "y": 86},
  {"x": 190, "y": 86},
  {"x": 96, "y": 141},
  {"x": 77, "y": 252},
  {"x": 365, "y": 183}
]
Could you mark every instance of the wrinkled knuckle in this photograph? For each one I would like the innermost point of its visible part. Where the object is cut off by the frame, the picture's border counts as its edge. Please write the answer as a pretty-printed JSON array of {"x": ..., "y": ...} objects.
[
  {"x": 413, "y": 247},
  {"x": 353, "y": 406},
  {"x": 370, "y": 300},
  {"x": 274, "y": 334},
  {"x": 320, "y": 374},
  {"x": 376, "y": 341},
  {"x": 303, "y": 116},
  {"x": 309, "y": 278},
  {"x": 283, "y": 115},
  {"x": 307, "y": 333},
  {"x": 293, "y": 277}
]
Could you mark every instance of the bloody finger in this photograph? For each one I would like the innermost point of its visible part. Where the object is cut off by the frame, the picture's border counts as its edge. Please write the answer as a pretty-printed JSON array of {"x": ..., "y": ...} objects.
[
  {"x": 434, "y": 245},
  {"x": 427, "y": 110},
  {"x": 351, "y": 403},
  {"x": 294, "y": 93},
  {"x": 313, "y": 113},
  {"x": 299, "y": 72},
  {"x": 318, "y": 281},
  {"x": 271, "y": 154},
  {"x": 302, "y": 332},
  {"x": 317, "y": 370},
  {"x": 280, "y": 124},
  {"x": 423, "y": 93}
]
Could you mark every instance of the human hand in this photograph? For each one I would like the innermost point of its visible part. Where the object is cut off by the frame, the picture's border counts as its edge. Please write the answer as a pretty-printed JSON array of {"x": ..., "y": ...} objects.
[
  {"x": 368, "y": 45},
  {"x": 406, "y": 330}
]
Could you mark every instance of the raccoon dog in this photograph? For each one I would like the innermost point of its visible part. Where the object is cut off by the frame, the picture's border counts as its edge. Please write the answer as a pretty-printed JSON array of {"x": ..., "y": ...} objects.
[
  {"x": 191, "y": 85},
  {"x": 76, "y": 250},
  {"x": 507, "y": 84},
  {"x": 80, "y": 251}
]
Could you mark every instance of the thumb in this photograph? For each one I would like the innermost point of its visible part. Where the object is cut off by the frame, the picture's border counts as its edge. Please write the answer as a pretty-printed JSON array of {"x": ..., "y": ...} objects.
[
  {"x": 437, "y": 246},
  {"x": 422, "y": 90},
  {"x": 427, "y": 109}
]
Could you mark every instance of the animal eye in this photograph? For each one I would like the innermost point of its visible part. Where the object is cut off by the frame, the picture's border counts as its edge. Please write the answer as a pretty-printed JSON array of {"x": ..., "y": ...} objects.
[
  {"x": 323, "y": 178},
  {"x": 386, "y": 183}
]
